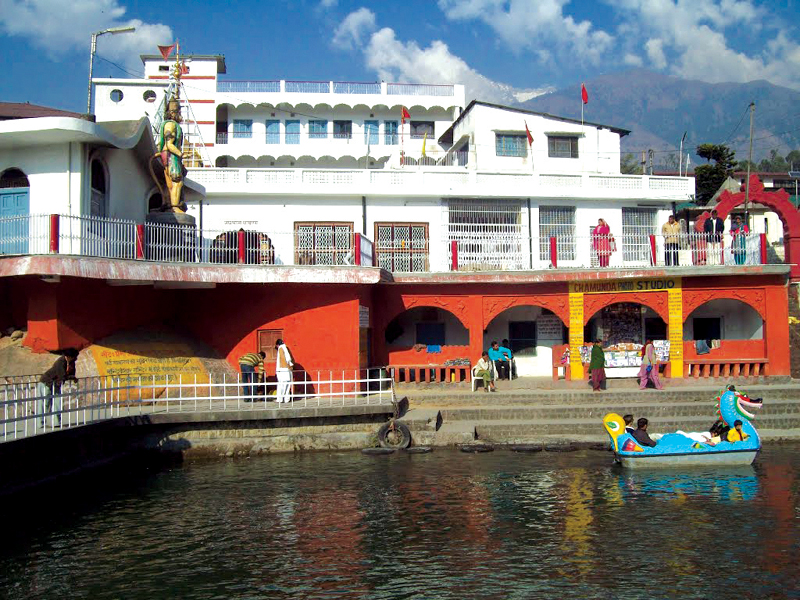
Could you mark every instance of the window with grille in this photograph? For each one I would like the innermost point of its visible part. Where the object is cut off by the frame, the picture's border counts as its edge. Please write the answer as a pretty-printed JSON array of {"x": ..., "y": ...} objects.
[
  {"x": 371, "y": 133},
  {"x": 266, "y": 342},
  {"x": 557, "y": 222},
  {"x": 489, "y": 234},
  {"x": 317, "y": 129},
  {"x": 638, "y": 224},
  {"x": 292, "y": 132},
  {"x": 273, "y": 131},
  {"x": 562, "y": 147},
  {"x": 402, "y": 247},
  {"x": 324, "y": 243},
  {"x": 243, "y": 128},
  {"x": 420, "y": 128},
  {"x": 343, "y": 129},
  {"x": 390, "y": 133},
  {"x": 507, "y": 144}
]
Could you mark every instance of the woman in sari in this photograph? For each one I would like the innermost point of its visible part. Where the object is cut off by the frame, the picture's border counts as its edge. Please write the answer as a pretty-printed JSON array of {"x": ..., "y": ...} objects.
[
  {"x": 739, "y": 232},
  {"x": 603, "y": 242},
  {"x": 597, "y": 366},
  {"x": 699, "y": 243},
  {"x": 649, "y": 369}
]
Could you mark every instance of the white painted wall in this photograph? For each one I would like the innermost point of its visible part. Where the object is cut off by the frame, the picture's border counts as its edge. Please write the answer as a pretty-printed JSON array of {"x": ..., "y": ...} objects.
[
  {"x": 531, "y": 366},
  {"x": 128, "y": 186},
  {"x": 739, "y": 321},
  {"x": 47, "y": 168}
]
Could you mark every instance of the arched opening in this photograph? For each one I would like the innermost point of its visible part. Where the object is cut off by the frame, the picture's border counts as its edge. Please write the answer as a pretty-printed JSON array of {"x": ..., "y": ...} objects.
[
  {"x": 14, "y": 178},
  {"x": 724, "y": 319},
  {"x": 154, "y": 201},
  {"x": 98, "y": 200},
  {"x": 623, "y": 328},
  {"x": 532, "y": 333},
  {"x": 426, "y": 335},
  {"x": 222, "y": 124}
]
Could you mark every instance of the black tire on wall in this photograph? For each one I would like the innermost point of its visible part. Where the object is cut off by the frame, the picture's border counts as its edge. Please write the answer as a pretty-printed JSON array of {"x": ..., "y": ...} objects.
[{"x": 399, "y": 437}]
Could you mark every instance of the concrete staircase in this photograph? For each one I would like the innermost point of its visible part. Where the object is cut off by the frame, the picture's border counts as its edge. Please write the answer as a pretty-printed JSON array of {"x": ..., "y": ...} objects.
[{"x": 443, "y": 418}]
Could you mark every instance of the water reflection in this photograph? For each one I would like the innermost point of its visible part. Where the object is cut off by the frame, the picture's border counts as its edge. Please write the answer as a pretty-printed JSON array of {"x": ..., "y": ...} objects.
[{"x": 444, "y": 525}]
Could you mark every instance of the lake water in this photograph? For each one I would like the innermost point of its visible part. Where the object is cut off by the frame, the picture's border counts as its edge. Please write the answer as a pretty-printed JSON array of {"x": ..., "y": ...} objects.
[{"x": 440, "y": 525}]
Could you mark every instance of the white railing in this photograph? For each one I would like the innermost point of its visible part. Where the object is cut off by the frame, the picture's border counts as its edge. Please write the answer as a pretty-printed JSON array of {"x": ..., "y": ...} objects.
[
  {"x": 512, "y": 252},
  {"x": 354, "y": 87},
  {"x": 419, "y": 89},
  {"x": 29, "y": 234},
  {"x": 414, "y": 178},
  {"x": 102, "y": 237},
  {"x": 249, "y": 86},
  {"x": 27, "y": 413},
  {"x": 308, "y": 87},
  {"x": 366, "y": 248},
  {"x": 336, "y": 87}
]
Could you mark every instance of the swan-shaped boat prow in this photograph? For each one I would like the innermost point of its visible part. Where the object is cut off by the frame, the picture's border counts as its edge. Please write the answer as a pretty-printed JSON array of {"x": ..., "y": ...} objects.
[{"x": 677, "y": 449}]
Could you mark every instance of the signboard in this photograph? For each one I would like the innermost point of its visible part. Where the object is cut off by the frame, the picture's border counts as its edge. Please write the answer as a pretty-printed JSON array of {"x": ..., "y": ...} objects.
[
  {"x": 154, "y": 362},
  {"x": 633, "y": 285},
  {"x": 675, "y": 326},
  {"x": 549, "y": 328},
  {"x": 363, "y": 317},
  {"x": 575, "y": 334}
]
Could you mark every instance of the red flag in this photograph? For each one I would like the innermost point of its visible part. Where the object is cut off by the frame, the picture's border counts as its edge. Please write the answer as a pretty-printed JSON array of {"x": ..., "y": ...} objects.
[
  {"x": 528, "y": 132},
  {"x": 584, "y": 94},
  {"x": 404, "y": 115},
  {"x": 184, "y": 68},
  {"x": 166, "y": 50}
]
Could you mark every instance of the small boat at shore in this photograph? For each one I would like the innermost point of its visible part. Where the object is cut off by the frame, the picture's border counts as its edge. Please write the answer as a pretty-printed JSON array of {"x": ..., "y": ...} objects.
[{"x": 680, "y": 449}]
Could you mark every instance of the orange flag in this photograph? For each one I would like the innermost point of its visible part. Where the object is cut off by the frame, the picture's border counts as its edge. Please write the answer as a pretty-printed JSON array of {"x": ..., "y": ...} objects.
[{"x": 404, "y": 115}]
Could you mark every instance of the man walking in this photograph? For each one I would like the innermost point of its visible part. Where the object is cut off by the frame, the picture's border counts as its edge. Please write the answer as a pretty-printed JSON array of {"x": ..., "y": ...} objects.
[
  {"x": 250, "y": 364},
  {"x": 48, "y": 389},
  {"x": 283, "y": 370},
  {"x": 671, "y": 231},
  {"x": 714, "y": 227}
]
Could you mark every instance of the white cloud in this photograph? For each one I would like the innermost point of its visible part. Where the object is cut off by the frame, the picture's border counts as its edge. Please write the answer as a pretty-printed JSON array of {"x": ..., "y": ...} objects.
[
  {"x": 632, "y": 60},
  {"x": 325, "y": 4},
  {"x": 655, "y": 52},
  {"x": 59, "y": 27},
  {"x": 356, "y": 26},
  {"x": 535, "y": 25}
]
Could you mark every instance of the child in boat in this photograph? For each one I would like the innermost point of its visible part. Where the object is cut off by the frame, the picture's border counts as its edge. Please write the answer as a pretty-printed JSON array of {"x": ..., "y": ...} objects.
[
  {"x": 628, "y": 423},
  {"x": 736, "y": 434}
]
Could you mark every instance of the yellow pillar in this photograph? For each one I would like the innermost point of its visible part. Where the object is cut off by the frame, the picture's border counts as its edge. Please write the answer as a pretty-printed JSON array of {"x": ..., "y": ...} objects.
[
  {"x": 675, "y": 308},
  {"x": 575, "y": 335}
]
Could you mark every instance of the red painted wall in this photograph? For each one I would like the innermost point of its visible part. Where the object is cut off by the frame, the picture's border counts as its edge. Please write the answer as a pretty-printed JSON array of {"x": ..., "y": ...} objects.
[
  {"x": 729, "y": 349},
  {"x": 319, "y": 322}
]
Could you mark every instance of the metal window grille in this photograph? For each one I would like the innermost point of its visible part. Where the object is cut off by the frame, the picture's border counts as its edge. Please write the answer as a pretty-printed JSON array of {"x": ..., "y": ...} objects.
[
  {"x": 402, "y": 247},
  {"x": 489, "y": 234},
  {"x": 637, "y": 226},
  {"x": 557, "y": 222},
  {"x": 390, "y": 133},
  {"x": 562, "y": 147},
  {"x": 343, "y": 129},
  {"x": 292, "y": 132},
  {"x": 420, "y": 128},
  {"x": 317, "y": 129},
  {"x": 510, "y": 145},
  {"x": 242, "y": 128},
  {"x": 371, "y": 132},
  {"x": 324, "y": 243},
  {"x": 273, "y": 131}
]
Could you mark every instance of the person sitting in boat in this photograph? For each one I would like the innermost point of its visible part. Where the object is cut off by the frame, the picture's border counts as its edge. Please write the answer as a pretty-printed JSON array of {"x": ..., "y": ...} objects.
[
  {"x": 736, "y": 434},
  {"x": 640, "y": 434},
  {"x": 628, "y": 423}
]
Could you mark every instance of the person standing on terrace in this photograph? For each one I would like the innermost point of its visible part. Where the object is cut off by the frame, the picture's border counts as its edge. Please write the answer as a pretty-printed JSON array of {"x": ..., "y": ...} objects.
[
  {"x": 283, "y": 370},
  {"x": 597, "y": 366},
  {"x": 714, "y": 227},
  {"x": 603, "y": 242},
  {"x": 250, "y": 364},
  {"x": 671, "y": 231},
  {"x": 739, "y": 231}
]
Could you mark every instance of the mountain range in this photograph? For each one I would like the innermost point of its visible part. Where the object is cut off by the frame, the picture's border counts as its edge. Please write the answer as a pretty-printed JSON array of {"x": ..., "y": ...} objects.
[{"x": 659, "y": 108}]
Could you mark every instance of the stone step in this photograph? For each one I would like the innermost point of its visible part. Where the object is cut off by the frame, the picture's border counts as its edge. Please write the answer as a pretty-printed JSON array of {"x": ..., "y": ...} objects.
[
  {"x": 517, "y": 431},
  {"x": 442, "y": 398},
  {"x": 594, "y": 411},
  {"x": 449, "y": 434},
  {"x": 422, "y": 419}
]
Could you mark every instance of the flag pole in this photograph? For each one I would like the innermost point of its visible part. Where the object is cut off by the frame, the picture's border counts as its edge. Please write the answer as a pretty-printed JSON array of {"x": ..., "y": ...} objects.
[{"x": 402, "y": 136}]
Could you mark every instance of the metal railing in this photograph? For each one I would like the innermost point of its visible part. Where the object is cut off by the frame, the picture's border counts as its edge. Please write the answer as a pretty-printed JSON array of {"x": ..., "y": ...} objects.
[
  {"x": 354, "y": 87},
  {"x": 29, "y": 234},
  {"x": 249, "y": 86},
  {"x": 336, "y": 87},
  {"x": 419, "y": 89},
  {"x": 308, "y": 87},
  {"x": 26, "y": 411},
  {"x": 97, "y": 236}
]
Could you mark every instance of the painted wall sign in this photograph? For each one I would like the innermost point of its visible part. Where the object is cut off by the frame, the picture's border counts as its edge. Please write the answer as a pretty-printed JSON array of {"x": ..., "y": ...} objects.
[
  {"x": 363, "y": 317},
  {"x": 549, "y": 328},
  {"x": 633, "y": 285}
]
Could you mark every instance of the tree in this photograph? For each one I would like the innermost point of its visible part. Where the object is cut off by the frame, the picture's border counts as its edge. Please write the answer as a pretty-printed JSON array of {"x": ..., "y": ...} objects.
[
  {"x": 793, "y": 159},
  {"x": 628, "y": 165},
  {"x": 742, "y": 166},
  {"x": 709, "y": 177}
]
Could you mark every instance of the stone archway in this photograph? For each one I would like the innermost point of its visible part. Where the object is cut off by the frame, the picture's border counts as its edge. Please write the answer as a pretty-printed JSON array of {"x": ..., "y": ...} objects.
[{"x": 779, "y": 202}]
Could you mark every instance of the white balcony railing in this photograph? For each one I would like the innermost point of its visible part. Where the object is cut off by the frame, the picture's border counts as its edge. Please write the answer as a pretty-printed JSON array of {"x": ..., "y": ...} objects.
[
  {"x": 444, "y": 175},
  {"x": 483, "y": 248},
  {"x": 336, "y": 87}
]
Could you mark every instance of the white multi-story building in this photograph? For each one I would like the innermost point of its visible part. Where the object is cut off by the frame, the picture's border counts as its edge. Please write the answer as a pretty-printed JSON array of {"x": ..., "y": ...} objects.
[{"x": 307, "y": 162}]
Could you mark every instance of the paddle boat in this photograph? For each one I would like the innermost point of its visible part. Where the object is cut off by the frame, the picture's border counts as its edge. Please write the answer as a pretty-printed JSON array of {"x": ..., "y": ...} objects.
[{"x": 680, "y": 449}]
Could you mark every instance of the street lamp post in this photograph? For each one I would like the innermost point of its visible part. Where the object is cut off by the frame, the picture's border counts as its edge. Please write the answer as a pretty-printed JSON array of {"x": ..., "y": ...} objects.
[{"x": 95, "y": 35}]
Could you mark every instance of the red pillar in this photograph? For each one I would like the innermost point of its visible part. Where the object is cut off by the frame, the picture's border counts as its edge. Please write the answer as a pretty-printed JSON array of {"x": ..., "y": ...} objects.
[
  {"x": 140, "y": 241},
  {"x": 653, "y": 260},
  {"x": 553, "y": 252},
  {"x": 776, "y": 333},
  {"x": 241, "y": 246},
  {"x": 763, "y": 248},
  {"x": 54, "y": 234},
  {"x": 357, "y": 249},
  {"x": 454, "y": 255}
]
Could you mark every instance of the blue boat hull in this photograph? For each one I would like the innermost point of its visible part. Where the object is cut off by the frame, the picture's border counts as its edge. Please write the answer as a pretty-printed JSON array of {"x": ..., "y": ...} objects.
[{"x": 732, "y": 457}]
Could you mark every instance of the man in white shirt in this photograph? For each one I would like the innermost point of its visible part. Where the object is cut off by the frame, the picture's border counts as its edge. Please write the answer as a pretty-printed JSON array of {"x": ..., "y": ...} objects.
[{"x": 283, "y": 370}]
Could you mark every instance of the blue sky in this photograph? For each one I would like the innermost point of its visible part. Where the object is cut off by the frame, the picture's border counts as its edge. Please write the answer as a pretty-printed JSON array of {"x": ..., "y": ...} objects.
[{"x": 499, "y": 48}]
